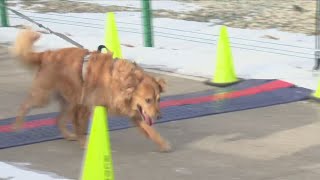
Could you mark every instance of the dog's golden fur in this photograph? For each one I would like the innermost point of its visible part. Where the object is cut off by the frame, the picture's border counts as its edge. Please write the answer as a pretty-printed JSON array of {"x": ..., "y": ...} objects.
[{"x": 120, "y": 85}]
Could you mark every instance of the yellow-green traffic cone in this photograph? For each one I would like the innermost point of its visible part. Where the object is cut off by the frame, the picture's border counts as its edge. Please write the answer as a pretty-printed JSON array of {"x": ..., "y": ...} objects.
[
  {"x": 316, "y": 94},
  {"x": 224, "y": 71},
  {"x": 98, "y": 163},
  {"x": 112, "y": 41}
]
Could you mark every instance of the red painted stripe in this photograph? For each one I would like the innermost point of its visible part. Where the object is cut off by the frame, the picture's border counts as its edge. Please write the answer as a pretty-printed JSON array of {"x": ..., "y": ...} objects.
[
  {"x": 278, "y": 84},
  {"x": 30, "y": 124}
]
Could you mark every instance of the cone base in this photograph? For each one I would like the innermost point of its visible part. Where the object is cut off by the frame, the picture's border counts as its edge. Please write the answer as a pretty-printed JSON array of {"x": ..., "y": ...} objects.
[
  {"x": 222, "y": 84},
  {"x": 314, "y": 98}
]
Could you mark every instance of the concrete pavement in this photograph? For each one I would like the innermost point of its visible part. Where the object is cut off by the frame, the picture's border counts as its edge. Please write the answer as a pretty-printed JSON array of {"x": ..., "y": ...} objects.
[{"x": 274, "y": 143}]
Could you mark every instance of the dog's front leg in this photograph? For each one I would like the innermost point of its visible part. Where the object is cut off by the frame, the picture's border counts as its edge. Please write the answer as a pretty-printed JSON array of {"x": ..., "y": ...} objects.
[
  {"x": 155, "y": 136},
  {"x": 144, "y": 132}
]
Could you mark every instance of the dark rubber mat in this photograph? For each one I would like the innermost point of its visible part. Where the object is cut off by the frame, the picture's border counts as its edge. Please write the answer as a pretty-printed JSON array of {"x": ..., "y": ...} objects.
[{"x": 245, "y": 95}]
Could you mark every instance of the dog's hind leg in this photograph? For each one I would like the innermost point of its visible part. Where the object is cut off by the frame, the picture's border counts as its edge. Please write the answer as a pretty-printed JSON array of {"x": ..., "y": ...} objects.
[
  {"x": 80, "y": 123},
  {"x": 66, "y": 115},
  {"x": 35, "y": 99}
]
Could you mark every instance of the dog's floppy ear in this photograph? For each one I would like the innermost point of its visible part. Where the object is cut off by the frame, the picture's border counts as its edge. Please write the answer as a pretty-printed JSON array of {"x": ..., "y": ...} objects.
[
  {"x": 162, "y": 84},
  {"x": 128, "y": 93},
  {"x": 138, "y": 74}
]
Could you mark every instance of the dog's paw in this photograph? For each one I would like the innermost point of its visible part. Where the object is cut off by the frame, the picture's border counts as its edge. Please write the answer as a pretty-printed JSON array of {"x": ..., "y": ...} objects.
[
  {"x": 83, "y": 146},
  {"x": 16, "y": 126},
  {"x": 83, "y": 143},
  {"x": 71, "y": 137},
  {"x": 166, "y": 148}
]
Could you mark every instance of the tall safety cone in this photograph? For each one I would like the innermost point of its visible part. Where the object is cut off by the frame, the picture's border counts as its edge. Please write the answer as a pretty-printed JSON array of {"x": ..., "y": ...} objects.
[
  {"x": 224, "y": 71},
  {"x": 98, "y": 159},
  {"x": 316, "y": 95},
  {"x": 112, "y": 41}
]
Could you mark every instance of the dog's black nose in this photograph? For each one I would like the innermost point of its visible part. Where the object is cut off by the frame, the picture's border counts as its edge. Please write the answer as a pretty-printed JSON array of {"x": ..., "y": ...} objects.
[{"x": 159, "y": 116}]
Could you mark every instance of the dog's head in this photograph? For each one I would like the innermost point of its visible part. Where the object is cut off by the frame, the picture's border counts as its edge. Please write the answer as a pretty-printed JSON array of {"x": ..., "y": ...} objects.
[
  {"x": 146, "y": 99},
  {"x": 134, "y": 92}
]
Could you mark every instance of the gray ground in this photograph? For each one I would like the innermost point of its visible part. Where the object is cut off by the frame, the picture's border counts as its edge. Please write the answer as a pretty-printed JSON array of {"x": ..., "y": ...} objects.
[{"x": 274, "y": 143}]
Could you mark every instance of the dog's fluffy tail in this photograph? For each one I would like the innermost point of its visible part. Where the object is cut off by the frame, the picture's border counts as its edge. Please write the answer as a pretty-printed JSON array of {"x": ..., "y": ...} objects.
[{"x": 23, "y": 47}]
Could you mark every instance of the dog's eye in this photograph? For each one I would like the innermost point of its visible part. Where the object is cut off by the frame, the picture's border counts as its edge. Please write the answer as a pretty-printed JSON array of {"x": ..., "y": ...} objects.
[{"x": 148, "y": 100}]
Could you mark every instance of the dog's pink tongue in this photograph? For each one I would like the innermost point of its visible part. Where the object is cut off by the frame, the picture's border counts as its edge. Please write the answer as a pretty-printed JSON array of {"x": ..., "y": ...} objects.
[{"x": 149, "y": 121}]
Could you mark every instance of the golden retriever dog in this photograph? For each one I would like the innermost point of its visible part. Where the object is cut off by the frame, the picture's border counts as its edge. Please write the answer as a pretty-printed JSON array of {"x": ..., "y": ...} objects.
[{"x": 118, "y": 84}]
